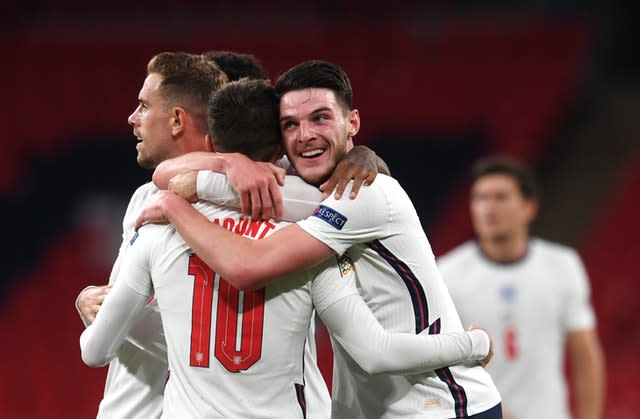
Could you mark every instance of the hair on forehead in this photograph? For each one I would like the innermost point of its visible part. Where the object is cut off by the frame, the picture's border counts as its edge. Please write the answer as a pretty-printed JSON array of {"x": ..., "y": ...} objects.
[
  {"x": 187, "y": 79},
  {"x": 503, "y": 165},
  {"x": 317, "y": 74}
]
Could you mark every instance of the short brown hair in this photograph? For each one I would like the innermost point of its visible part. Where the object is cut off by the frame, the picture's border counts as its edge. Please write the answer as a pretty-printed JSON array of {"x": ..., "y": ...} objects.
[
  {"x": 237, "y": 65},
  {"x": 523, "y": 175},
  {"x": 317, "y": 74},
  {"x": 187, "y": 81},
  {"x": 244, "y": 117}
]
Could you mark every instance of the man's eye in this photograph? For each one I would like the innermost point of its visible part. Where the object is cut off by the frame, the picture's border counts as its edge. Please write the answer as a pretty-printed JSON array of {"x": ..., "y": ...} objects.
[{"x": 287, "y": 125}]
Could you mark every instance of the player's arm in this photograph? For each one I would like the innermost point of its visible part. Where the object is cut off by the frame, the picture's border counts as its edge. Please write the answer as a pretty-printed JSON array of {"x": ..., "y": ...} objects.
[
  {"x": 378, "y": 351},
  {"x": 125, "y": 314},
  {"x": 256, "y": 182},
  {"x": 582, "y": 343},
  {"x": 587, "y": 366},
  {"x": 299, "y": 198},
  {"x": 90, "y": 298},
  {"x": 247, "y": 264},
  {"x": 100, "y": 342}
]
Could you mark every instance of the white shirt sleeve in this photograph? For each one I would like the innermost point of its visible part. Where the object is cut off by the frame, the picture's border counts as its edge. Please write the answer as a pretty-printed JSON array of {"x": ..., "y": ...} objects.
[
  {"x": 300, "y": 199},
  {"x": 578, "y": 311},
  {"x": 351, "y": 323},
  {"x": 100, "y": 342},
  {"x": 134, "y": 206},
  {"x": 125, "y": 310},
  {"x": 342, "y": 223}
]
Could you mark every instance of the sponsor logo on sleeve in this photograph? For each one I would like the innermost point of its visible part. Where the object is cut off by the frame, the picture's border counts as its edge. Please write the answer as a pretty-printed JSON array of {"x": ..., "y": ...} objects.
[{"x": 330, "y": 216}]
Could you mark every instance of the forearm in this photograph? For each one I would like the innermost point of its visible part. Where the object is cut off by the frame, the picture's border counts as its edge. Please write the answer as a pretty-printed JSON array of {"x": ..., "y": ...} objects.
[
  {"x": 247, "y": 264},
  {"x": 378, "y": 351},
  {"x": 99, "y": 343},
  {"x": 147, "y": 333},
  {"x": 588, "y": 378},
  {"x": 227, "y": 253},
  {"x": 299, "y": 198},
  {"x": 199, "y": 160}
]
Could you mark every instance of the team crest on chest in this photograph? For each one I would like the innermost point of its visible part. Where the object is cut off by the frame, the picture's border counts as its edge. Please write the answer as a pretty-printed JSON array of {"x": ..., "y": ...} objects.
[{"x": 345, "y": 264}]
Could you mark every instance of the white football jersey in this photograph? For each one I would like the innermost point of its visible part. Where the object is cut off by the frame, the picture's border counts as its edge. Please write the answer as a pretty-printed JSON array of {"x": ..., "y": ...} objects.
[
  {"x": 136, "y": 378},
  {"x": 528, "y": 307},
  {"x": 400, "y": 282},
  {"x": 232, "y": 354}
]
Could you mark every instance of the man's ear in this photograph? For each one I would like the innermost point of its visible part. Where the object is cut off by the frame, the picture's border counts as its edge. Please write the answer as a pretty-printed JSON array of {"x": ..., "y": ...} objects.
[
  {"x": 532, "y": 206},
  {"x": 353, "y": 122},
  {"x": 178, "y": 120},
  {"x": 209, "y": 144}
]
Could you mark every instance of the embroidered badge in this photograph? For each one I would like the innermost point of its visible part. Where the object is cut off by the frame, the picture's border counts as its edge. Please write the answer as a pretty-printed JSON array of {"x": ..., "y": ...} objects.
[{"x": 345, "y": 264}]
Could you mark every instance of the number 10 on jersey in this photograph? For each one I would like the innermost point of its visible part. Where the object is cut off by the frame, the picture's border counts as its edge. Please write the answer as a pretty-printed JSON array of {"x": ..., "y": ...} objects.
[{"x": 239, "y": 321}]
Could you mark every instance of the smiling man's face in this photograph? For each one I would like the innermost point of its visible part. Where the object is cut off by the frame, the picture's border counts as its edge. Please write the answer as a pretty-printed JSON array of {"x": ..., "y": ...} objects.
[{"x": 317, "y": 131}]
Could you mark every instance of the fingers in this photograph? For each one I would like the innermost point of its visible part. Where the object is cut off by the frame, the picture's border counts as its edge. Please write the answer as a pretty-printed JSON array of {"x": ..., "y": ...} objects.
[
  {"x": 256, "y": 203},
  {"x": 279, "y": 173},
  {"x": 266, "y": 211},
  {"x": 245, "y": 202},
  {"x": 90, "y": 301},
  {"x": 278, "y": 203}
]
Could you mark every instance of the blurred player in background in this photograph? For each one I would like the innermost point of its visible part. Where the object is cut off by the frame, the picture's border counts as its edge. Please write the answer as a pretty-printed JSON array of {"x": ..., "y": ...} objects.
[{"x": 530, "y": 294}]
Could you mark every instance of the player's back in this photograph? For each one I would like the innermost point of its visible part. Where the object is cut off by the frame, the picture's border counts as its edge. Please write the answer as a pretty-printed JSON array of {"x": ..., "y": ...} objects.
[
  {"x": 231, "y": 353},
  {"x": 400, "y": 282}
]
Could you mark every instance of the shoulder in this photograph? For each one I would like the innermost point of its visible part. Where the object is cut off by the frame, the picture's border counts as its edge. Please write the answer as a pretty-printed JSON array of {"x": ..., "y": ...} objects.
[
  {"x": 144, "y": 190},
  {"x": 141, "y": 195},
  {"x": 459, "y": 256},
  {"x": 151, "y": 233},
  {"x": 556, "y": 252}
]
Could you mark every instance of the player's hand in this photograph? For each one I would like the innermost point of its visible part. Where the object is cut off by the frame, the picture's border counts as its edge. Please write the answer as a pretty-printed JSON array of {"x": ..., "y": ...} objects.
[
  {"x": 359, "y": 165},
  {"x": 257, "y": 184},
  {"x": 89, "y": 301},
  {"x": 185, "y": 185},
  {"x": 487, "y": 358},
  {"x": 154, "y": 212}
]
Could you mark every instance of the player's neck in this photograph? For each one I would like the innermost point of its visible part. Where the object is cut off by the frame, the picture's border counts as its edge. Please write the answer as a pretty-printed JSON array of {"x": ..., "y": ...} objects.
[{"x": 505, "y": 249}]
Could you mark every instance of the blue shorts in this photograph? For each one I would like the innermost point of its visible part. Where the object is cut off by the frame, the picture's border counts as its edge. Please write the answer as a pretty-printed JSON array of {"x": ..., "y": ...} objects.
[{"x": 494, "y": 413}]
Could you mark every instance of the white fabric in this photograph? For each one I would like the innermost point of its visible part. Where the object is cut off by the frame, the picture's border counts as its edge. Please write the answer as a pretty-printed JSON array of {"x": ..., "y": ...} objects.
[
  {"x": 264, "y": 389},
  {"x": 300, "y": 200},
  {"x": 528, "y": 307},
  {"x": 161, "y": 263},
  {"x": 136, "y": 378},
  {"x": 399, "y": 280}
]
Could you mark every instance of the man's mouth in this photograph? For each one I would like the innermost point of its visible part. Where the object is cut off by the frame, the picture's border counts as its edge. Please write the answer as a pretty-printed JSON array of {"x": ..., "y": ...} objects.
[{"x": 309, "y": 154}]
